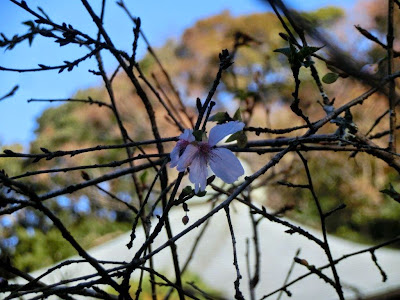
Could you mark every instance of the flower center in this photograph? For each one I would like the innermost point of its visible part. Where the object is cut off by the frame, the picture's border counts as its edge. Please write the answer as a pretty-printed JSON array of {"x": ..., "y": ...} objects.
[
  {"x": 182, "y": 144},
  {"x": 204, "y": 148}
]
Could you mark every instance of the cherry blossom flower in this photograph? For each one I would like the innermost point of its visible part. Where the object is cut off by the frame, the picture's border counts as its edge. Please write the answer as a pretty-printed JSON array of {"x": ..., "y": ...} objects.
[{"x": 199, "y": 155}]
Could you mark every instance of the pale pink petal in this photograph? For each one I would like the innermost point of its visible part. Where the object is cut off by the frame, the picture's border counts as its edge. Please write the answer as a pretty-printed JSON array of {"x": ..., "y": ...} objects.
[
  {"x": 218, "y": 132},
  {"x": 187, "y": 135},
  {"x": 198, "y": 173},
  {"x": 186, "y": 158},
  {"x": 225, "y": 165},
  {"x": 184, "y": 139},
  {"x": 174, "y": 155}
]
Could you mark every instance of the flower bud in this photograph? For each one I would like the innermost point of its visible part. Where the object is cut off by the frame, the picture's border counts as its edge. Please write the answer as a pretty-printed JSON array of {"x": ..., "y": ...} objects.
[
  {"x": 369, "y": 69},
  {"x": 185, "y": 220}
]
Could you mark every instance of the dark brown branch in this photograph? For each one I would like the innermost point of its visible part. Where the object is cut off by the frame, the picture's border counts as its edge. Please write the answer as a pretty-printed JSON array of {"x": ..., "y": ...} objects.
[
  {"x": 315, "y": 271},
  {"x": 10, "y": 93},
  {"x": 52, "y": 154},
  {"x": 112, "y": 196},
  {"x": 238, "y": 294},
  {"x": 288, "y": 274},
  {"x": 60, "y": 226},
  {"x": 375, "y": 260},
  {"x": 154, "y": 55},
  {"x": 337, "y": 284},
  {"x": 390, "y": 69},
  {"x": 373, "y": 38},
  {"x": 143, "y": 77},
  {"x": 89, "y": 101},
  {"x": 66, "y": 66},
  {"x": 259, "y": 130},
  {"x": 225, "y": 62},
  {"x": 73, "y": 188},
  {"x": 94, "y": 166},
  {"x": 336, "y": 261}
]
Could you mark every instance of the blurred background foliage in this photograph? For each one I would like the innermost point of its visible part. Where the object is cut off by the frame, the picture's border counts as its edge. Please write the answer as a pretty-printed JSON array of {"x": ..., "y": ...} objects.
[{"x": 260, "y": 79}]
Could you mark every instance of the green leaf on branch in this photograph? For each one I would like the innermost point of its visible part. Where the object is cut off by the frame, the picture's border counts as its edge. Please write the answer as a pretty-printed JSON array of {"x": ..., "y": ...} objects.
[
  {"x": 201, "y": 194},
  {"x": 220, "y": 117},
  {"x": 240, "y": 138},
  {"x": 291, "y": 53},
  {"x": 295, "y": 57},
  {"x": 285, "y": 51},
  {"x": 237, "y": 116},
  {"x": 186, "y": 192},
  {"x": 30, "y": 24},
  {"x": 307, "y": 51},
  {"x": 143, "y": 177},
  {"x": 330, "y": 78}
]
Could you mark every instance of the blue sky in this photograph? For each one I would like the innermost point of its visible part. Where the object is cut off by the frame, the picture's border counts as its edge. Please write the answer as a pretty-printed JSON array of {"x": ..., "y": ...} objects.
[{"x": 161, "y": 20}]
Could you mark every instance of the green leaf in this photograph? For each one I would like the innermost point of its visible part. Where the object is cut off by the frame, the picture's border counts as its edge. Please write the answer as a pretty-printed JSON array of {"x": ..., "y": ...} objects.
[
  {"x": 29, "y": 23},
  {"x": 237, "y": 116},
  {"x": 306, "y": 51},
  {"x": 143, "y": 177},
  {"x": 240, "y": 138},
  {"x": 233, "y": 137},
  {"x": 285, "y": 51},
  {"x": 187, "y": 191},
  {"x": 201, "y": 194},
  {"x": 330, "y": 78},
  {"x": 219, "y": 117}
]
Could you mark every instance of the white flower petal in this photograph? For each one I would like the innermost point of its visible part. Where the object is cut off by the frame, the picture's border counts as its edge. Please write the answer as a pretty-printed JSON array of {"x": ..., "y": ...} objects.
[
  {"x": 187, "y": 135},
  {"x": 198, "y": 173},
  {"x": 218, "y": 132},
  {"x": 225, "y": 165},
  {"x": 187, "y": 157}
]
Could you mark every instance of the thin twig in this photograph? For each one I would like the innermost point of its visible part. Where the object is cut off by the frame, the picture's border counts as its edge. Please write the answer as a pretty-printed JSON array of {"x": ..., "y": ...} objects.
[
  {"x": 288, "y": 274},
  {"x": 10, "y": 93},
  {"x": 238, "y": 294},
  {"x": 88, "y": 101},
  {"x": 322, "y": 216},
  {"x": 391, "y": 96}
]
